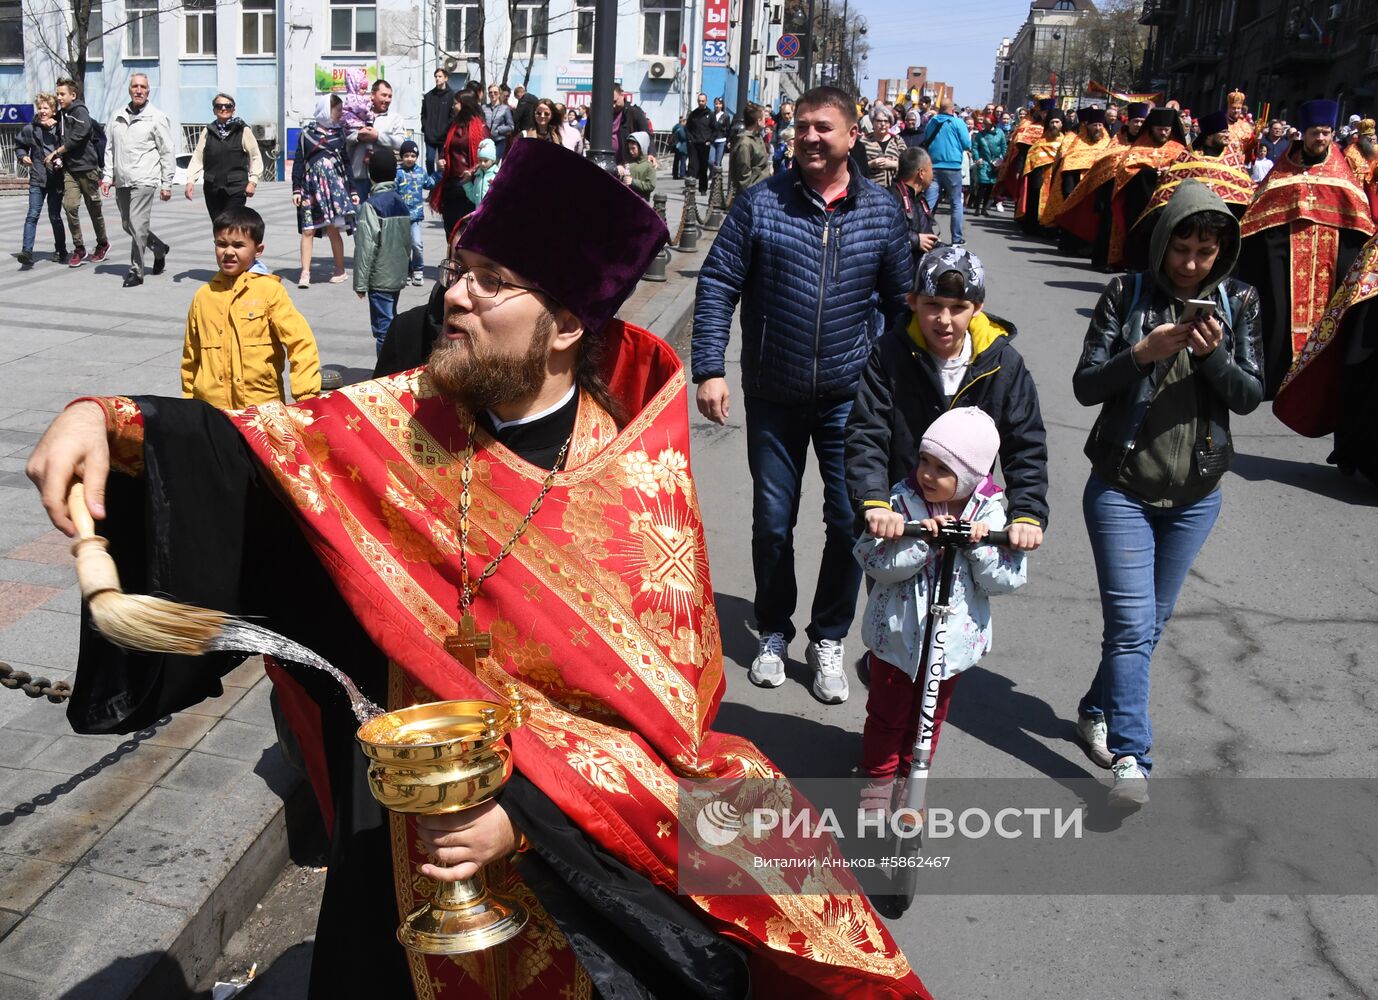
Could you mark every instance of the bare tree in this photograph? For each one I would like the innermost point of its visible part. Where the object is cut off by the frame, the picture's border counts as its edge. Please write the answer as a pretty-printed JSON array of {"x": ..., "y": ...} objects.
[{"x": 69, "y": 50}]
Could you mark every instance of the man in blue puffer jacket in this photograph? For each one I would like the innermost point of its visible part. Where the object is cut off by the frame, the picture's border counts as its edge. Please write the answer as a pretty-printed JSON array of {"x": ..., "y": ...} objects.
[
  {"x": 948, "y": 138},
  {"x": 819, "y": 257}
]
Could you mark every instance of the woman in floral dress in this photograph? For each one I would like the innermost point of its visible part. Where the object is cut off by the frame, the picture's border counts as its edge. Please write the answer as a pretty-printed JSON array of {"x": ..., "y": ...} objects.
[{"x": 320, "y": 187}]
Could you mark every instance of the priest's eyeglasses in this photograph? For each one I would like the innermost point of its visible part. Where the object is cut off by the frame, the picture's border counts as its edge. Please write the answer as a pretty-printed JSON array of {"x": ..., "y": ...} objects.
[{"x": 484, "y": 282}]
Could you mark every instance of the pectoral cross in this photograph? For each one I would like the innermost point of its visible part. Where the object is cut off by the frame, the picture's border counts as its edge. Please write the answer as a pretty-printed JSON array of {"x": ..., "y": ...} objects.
[{"x": 467, "y": 644}]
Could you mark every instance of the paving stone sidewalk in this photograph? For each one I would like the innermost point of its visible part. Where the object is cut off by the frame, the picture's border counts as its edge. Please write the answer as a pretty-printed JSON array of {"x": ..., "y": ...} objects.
[{"x": 126, "y": 862}]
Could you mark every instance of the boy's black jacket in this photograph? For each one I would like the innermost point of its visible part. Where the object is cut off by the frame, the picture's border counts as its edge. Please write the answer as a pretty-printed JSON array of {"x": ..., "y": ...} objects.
[{"x": 900, "y": 394}]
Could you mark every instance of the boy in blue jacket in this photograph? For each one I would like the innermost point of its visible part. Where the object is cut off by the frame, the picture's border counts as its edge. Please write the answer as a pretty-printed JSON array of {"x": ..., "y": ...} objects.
[{"x": 412, "y": 184}]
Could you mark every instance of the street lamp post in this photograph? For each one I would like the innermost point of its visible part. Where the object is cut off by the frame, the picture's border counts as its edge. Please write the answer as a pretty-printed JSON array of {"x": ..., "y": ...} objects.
[
  {"x": 841, "y": 45},
  {"x": 744, "y": 57},
  {"x": 860, "y": 29},
  {"x": 600, "y": 103},
  {"x": 1062, "y": 68}
]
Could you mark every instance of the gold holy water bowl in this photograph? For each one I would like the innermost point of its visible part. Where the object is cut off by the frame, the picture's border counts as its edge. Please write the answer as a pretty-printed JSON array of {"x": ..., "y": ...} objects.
[{"x": 437, "y": 758}]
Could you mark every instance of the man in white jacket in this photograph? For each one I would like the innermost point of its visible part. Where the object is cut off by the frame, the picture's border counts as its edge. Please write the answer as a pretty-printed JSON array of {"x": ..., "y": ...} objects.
[
  {"x": 387, "y": 130},
  {"x": 140, "y": 162}
]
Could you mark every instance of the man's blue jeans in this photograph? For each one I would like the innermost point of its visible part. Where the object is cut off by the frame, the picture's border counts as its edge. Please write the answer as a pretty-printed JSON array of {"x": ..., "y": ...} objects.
[
  {"x": 1143, "y": 554},
  {"x": 382, "y": 307},
  {"x": 950, "y": 183},
  {"x": 52, "y": 194},
  {"x": 777, "y": 447}
]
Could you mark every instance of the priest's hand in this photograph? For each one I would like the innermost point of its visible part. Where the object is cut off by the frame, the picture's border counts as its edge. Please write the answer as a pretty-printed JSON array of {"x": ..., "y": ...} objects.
[
  {"x": 74, "y": 447},
  {"x": 714, "y": 397},
  {"x": 464, "y": 842}
]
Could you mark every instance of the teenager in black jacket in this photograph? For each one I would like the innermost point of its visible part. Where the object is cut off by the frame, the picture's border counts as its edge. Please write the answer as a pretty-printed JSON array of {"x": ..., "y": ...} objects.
[{"x": 945, "y": 353}]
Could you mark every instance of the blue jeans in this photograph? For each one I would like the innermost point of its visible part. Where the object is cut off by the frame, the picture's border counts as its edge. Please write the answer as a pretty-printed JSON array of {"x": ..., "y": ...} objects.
[
  {"x": 1143, "y": 554},
  {"x": 950, "y": 183},
  {"x": 416, "y": 246},
  {"x": 930, "y": 194},
  {"x": 382, "y": 307},
  {"x": 715, "y": 153},
  {"x": 777, "y": 447},
  {"x": 431, "y": 153},
  {"x": 52, "y": 194}
]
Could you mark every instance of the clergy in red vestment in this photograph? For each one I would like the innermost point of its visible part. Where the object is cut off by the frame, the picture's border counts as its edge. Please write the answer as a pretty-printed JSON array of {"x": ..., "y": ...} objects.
[
  {"x": 1243, "y": 136},
  {"x": 1215, "y": 141},
  {"x": 1119, "y": 187},
  {"x": 1333, "y": 385},
  {"x": 1038, "y": 168},
  {"x": 1029, "y": 131},
  {"x": 1362, "y": 155},
  {"x": 535, "y": 475},
  {"x": 1080, "y": 152},
  {"x": 1304, "y": 228},
  {"x": 1210, "y": 162}
]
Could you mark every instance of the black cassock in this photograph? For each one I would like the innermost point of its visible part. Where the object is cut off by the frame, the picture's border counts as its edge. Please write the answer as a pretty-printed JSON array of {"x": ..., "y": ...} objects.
[
  {"x": 1265, "y": 261},
  {"x": 204, "y": 527}
]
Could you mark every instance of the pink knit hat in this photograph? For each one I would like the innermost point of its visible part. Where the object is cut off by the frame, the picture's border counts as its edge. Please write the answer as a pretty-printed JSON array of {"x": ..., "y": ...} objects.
[{"x": 967, "y": 442}]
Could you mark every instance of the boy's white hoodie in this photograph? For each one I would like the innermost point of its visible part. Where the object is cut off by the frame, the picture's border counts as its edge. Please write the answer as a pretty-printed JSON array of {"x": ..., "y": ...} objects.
[{"x": 905, "y": 574}]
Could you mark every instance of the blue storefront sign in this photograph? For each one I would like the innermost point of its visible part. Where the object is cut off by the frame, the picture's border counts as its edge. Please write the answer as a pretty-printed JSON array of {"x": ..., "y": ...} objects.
[{"x": 16, "y": 114}]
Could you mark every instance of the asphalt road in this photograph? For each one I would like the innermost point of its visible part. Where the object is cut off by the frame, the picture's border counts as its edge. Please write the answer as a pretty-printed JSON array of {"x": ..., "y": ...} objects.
[{"x": 1266, "y": 671}]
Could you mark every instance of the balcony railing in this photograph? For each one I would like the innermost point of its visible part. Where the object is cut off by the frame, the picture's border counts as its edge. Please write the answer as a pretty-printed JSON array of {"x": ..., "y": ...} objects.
[{"x": 1158, "y": 12}]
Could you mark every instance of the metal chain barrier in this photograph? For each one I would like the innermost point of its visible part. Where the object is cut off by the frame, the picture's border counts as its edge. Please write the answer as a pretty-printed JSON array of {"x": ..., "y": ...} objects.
[{"x": 34, "y": 687}]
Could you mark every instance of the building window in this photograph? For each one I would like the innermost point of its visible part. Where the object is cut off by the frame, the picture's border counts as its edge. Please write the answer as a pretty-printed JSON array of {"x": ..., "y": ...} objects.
[
  {"x": 1065, "y": 5},
  {"x": 463, "y": 28},
  {"x": 531, "y": 29},
  {"x": 198, "y": 39},
  {"x": 660, "y": 24},
  {"x": 583, "y": 28},
  {"x": 142, "y": 28},
  {"x": 11, "y": 32},
  {"x": 258, "y": 28},
  {"x": 353, "y": 26},
  {"x": 95, "y": 34}
]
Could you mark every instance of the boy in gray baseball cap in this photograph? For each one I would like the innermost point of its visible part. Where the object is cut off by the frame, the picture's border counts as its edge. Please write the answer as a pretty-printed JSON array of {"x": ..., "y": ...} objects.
[{"x": 946, "y": 352}]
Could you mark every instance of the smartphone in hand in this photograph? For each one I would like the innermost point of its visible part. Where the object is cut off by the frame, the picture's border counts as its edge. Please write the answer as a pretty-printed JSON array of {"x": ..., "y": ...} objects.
[{"x": 1198, "y": 309}]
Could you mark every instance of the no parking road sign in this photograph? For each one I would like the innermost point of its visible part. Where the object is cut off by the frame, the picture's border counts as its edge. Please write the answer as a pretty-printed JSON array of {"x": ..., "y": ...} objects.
[{"x": 788, "y": 46}]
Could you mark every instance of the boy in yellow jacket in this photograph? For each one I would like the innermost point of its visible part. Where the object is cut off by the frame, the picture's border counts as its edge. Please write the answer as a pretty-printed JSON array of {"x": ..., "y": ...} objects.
[{"x": 242, "y": 327}]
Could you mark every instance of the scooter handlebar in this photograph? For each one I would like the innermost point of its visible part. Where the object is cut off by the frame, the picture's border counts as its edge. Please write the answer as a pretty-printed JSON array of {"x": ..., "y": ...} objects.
[{"x": 956, "y": 533}]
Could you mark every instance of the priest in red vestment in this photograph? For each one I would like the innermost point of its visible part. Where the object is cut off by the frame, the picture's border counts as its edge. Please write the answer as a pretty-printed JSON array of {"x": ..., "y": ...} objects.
[
  {"x": 1333, "y": 385},
  {"x": 1029, "y": 131},
  {"x": 1243, "y": 135},
  {"x": 1081, "y": 151},
  {"x": 1119, "y": 187},
  {"x": 542, "y": 458},
  {"x": 1304, "y": 227},
  {"x": 1210, "y": 162},
  {"x": 1038, "y": 168}
]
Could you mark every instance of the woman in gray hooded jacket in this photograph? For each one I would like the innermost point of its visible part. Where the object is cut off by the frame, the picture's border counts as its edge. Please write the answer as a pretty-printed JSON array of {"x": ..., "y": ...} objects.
[{"x": 1166, "y": 384}]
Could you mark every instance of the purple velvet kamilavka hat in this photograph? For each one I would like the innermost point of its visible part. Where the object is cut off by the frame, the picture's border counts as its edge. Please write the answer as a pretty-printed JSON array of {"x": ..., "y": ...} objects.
[{"x": 576, "y": 231}]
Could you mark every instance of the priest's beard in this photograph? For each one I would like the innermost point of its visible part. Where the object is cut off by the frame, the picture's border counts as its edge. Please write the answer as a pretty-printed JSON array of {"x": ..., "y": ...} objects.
[{"x": 483, "y": 379}]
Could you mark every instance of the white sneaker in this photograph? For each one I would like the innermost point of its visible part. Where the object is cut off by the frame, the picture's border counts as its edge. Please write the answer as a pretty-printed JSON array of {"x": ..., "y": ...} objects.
[
  {"x": 768, "y": 669},
  {"x": 1000, "y": 206},
  {"x": 1093, "y": 733},
  {"x": 417, "y": 277},
  {"x": 829, "y": 678},
  {"x": 1130, "y": 790}
]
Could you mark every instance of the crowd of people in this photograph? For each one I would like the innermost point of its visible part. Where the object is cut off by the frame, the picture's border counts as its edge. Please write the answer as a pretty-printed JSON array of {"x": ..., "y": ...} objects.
[{"x": 1243, "y": 263}]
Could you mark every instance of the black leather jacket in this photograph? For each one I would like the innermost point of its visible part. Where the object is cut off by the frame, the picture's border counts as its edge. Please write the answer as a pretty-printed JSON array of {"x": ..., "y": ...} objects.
[{"x": 1108, "y": 375}]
